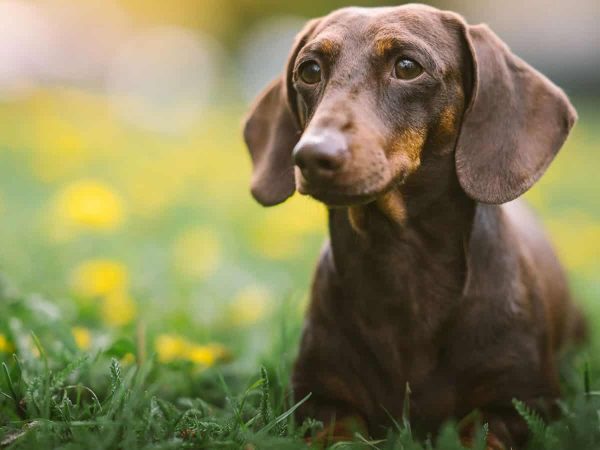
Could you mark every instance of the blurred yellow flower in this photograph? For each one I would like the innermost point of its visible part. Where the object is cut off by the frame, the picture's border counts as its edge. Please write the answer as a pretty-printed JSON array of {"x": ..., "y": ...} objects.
[
  {"x": 249, "y": 305},
  {"x": 118, "y": 309},
  {"x": 207, "y": 355},
  {"x": 197, "y": 252},
  {"x": 89, "y": 204},
  {"x": 171, "y": 348},
  {"x": 280, "y": 233},
  {"x": 83, "y": 337},
  {"x": 5, "y": 345},
  {"x": 99, "y": 277},
  {"x": 128, "y": 358}
]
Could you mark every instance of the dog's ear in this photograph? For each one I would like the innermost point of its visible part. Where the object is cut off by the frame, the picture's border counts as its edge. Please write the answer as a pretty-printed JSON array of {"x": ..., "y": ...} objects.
[
  {"x": 271, "y": 130},
  {"x": 515, "y": 122},
  {"x": 271, "y": 133}
]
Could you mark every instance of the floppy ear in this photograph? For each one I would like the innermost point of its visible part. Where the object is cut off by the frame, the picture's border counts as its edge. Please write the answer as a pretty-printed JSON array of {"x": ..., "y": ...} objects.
[
  {"x": 271, "y": 131},
  {"x": 514, "y": 125}
]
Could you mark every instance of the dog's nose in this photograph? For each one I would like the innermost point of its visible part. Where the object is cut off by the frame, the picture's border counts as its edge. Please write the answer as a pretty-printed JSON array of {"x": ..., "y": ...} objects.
[{"x": 320, "y": 155}]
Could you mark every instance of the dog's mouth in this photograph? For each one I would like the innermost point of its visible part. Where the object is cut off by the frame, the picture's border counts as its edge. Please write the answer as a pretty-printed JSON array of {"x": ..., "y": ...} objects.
[
  {"x": 339, "y": 199},
  {"x": 343, "y": 196}
]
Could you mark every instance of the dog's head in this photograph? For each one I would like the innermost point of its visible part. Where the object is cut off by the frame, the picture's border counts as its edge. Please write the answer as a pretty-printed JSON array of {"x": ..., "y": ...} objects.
[{"x": 369, "y": 94}]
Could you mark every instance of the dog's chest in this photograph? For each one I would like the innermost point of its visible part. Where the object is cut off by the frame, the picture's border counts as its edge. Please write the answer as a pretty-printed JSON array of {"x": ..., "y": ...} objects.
[
  {"x": 384, "y": 308},
  {"x": 398, "y": 354}
]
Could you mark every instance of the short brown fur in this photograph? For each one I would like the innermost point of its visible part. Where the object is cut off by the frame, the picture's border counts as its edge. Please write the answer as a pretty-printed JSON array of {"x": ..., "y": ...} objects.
[{"x": 432, "y": 277}]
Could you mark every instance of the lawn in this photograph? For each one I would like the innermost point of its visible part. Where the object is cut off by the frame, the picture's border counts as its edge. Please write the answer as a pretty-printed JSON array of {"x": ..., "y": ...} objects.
[{"x": 147, "y": 302}]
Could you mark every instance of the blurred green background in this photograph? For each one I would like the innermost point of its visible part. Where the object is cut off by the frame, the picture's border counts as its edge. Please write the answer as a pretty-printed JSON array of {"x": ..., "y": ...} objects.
[{"x": 124, "y": 180}]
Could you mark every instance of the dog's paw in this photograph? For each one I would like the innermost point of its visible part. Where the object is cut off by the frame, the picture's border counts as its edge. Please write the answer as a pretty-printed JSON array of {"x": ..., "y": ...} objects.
[
  {"x": 492, "y": 443},
  {"x": 341, "y": 430}
]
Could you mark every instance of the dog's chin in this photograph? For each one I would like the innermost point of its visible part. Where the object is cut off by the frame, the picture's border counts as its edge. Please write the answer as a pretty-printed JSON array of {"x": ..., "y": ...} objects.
[
  {"x": 338, "y": 197},
  {"x": 338, "y": 200}
]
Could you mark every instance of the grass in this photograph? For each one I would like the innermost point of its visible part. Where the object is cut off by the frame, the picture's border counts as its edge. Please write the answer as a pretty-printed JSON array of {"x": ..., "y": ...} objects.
[
  {"x": 170, "y": 317},
  {"x": 55, "y": 396}
]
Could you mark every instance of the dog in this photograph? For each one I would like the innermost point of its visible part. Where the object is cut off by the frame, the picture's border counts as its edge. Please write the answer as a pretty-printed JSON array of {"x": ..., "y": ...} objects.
[{"x": 436, "y": 288}]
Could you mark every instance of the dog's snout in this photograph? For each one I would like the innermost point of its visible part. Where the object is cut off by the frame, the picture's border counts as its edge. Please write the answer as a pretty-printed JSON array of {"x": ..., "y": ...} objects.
[{"x": 320, "y": 155}]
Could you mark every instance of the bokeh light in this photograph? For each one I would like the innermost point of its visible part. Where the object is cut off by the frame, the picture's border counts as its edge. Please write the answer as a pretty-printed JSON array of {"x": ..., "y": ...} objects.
[{"x": 162, "y": 78}]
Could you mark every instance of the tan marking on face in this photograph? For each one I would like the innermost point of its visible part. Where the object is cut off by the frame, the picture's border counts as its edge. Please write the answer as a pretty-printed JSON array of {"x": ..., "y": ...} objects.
[
  {"x": 410, "y": 143},
  {"x": 392, "y": 206},
  {"x": 329, "y": 48},
  {"x": 357, "y": 217},
  {"x": 448, "y": 120},
  {"x": 382, "y": 46}
]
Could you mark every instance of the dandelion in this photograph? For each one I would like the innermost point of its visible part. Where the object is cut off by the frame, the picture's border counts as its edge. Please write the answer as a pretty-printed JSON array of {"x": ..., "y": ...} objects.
[
  {"x": 197, "y": 252},
  {"x": 107, "y": 280},
  {"x": 118, "y": 309},
  {"x": 89, "y": 204},
  {"x": 249, "y": 305},
  {"x": 128, "y": 358},
  {"x": 83, "y": 337},
  {"x": 171, "y": 348},
  {"x": 207, "y": 355},
  {"x": 5, "y": 345},
  {"x": 99, "y": 277}
]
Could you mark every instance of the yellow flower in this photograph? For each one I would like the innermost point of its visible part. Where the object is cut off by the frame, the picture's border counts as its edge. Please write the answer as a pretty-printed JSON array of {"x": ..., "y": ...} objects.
[
  {"x": 83, "y": 337},
  {"x": 5, "y": 346},
  {"x": 99, "y": 277},
  {"x": 128, "y": 358},
  {"x": 89, "y": 204},
  {"x": 206, "y": 355},
  {"x": 118, "y": 309},
  {"x": 197, "y": 252},
  {"x": 249, "y": 305},
  {"x": 171, "y": 348}
]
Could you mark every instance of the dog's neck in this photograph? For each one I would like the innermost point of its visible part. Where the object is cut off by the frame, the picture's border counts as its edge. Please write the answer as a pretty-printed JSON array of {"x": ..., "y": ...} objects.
[{"x": 416, "y": 263}]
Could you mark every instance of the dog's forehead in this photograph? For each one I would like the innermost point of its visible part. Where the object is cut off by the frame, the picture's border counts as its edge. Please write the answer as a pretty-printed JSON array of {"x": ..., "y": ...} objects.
[{"x": 413, "y": 20}]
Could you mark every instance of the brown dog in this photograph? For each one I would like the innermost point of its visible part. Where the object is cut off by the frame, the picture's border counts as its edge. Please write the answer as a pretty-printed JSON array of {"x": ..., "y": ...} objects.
[{"x": 413, "y": 127}]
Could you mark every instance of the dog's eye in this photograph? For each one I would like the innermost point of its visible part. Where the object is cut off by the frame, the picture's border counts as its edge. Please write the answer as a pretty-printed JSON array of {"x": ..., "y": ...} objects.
[
  {"x": 407, "y": 69},
  {"x": 310, "y": 72}
]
